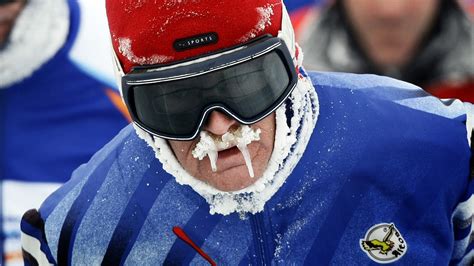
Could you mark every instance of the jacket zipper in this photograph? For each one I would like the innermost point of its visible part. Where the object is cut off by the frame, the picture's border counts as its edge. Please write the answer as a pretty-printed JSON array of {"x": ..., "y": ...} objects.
[{"x": 262, "y": 256}]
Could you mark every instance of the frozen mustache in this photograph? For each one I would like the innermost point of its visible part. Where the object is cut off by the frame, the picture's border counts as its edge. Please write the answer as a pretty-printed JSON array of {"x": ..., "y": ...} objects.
[{"x": 241, "y": 137}]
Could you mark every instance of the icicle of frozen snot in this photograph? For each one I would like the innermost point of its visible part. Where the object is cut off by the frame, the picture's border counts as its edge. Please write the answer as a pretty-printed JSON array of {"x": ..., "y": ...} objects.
[
  {"x": 241, "y": 137},
  {"x": 206, "y": 146}
]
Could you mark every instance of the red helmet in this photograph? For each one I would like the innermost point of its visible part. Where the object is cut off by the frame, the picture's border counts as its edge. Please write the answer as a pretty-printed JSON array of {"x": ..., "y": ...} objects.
[{"x": 165, "y": 31}]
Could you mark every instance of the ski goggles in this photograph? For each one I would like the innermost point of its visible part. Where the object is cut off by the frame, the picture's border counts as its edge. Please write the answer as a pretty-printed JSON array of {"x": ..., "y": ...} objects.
[{"x": 247, "y": 83}]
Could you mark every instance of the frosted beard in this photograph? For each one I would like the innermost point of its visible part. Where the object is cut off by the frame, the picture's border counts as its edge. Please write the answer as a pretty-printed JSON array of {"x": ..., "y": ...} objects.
[
  {"x": 290, "y": 142},
  {"x": 211, "y": 146}
]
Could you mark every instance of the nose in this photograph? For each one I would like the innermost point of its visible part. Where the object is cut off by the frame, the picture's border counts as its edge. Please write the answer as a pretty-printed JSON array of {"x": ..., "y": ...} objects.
[
  {"x": 219, "y": 123},
  {"x": 392, "y": 9}
]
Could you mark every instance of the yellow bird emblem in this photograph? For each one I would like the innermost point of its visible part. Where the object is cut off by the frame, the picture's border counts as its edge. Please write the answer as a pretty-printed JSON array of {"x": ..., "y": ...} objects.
[{"x": 384, "y": 245}]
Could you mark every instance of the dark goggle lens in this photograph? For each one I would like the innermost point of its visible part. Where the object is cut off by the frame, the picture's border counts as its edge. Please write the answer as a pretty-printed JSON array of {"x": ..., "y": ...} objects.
[
  {"x": 168, "y": 111},
  {"x": 256, "y": 87},
  {"x": 248, "y": 90}
]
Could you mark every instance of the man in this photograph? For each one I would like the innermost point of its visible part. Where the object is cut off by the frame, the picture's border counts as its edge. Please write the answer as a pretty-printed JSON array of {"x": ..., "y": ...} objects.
[
  {"x": 56, "y": 107},
  {"x": 426, "y": 42},
  {"x": 237, "y": 158}
]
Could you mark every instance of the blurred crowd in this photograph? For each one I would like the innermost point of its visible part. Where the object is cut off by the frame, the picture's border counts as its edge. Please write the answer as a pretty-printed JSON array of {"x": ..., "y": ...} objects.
[
  {"x": 427, "y": 43},
  {"x": 58, "y": 102}
]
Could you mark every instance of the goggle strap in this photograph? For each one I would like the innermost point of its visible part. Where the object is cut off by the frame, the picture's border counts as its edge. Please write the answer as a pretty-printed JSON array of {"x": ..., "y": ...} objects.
[{"x": 118, "y": 71}]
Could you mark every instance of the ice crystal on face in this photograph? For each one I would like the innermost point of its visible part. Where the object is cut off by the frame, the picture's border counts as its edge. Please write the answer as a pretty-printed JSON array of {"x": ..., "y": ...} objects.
[
  {"x": 125, "y": 48},
  {"x": 209, "y": 146},
  {"x": 206, "y": 147}
]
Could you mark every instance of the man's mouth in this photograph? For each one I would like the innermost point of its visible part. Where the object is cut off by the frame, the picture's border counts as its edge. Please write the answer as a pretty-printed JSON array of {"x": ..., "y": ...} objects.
[
  {"x": 228, "y": 152},
  {"x": 226, "y": 145}
]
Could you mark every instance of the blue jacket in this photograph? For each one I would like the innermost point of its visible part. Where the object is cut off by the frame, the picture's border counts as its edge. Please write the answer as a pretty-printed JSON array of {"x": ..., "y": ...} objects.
[
  {"x": 386, "y": 174},
  {"x": 50, "y": 123}
]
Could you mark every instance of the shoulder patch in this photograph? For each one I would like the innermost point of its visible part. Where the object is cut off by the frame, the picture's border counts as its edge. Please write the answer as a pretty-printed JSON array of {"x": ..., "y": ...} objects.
[{"x": 383, "y": 243}]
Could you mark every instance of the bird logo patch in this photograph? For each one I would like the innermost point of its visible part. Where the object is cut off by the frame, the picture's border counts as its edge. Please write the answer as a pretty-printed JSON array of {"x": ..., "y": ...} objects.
[{"x": 383, "y": 243}]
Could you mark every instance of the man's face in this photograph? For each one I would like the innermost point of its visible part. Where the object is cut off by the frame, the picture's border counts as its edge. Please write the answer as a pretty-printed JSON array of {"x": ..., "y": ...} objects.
[
  {"x": 232, "y": 173},
  {"x": 8, "y": 14},
  {"x": 390, "y": 31}
]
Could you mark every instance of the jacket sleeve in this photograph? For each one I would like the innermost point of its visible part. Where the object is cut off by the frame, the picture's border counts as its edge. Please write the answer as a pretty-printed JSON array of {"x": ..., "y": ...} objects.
[
  {"x": 33, "y": 240},
  {"x": 463, "y": 215}
]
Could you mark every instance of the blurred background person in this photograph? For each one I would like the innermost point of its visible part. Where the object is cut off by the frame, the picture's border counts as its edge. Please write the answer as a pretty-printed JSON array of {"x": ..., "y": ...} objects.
[
  {"x": 57, "y": 102},
  {"x": 426, "y": 42},
  {"x": 303, "y": 12}
]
